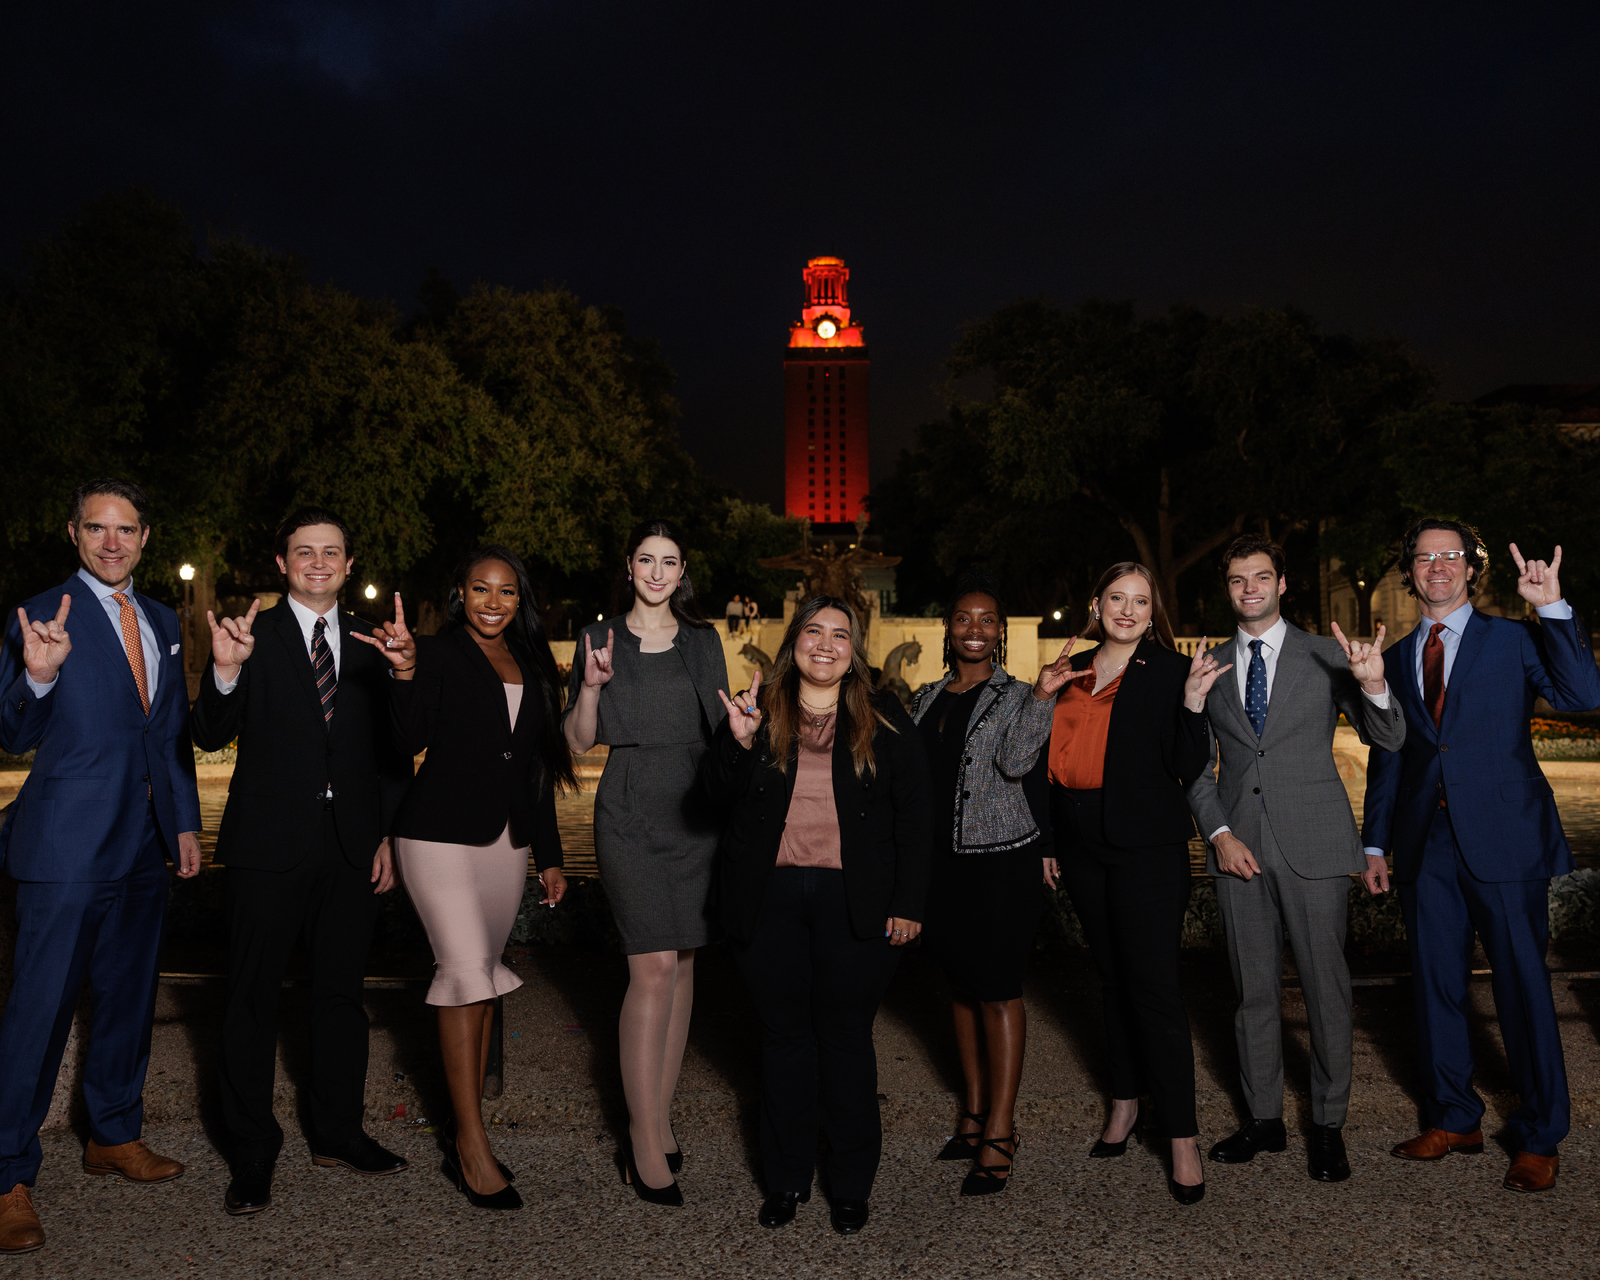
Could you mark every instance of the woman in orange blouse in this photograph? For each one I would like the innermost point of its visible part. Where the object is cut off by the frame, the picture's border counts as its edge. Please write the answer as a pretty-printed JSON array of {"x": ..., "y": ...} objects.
[{"x": 1123, "y": 746}]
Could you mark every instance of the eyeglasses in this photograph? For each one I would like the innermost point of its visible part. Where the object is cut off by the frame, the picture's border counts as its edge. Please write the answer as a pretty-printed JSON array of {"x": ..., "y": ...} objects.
[{"x": 1424, "y": 558}]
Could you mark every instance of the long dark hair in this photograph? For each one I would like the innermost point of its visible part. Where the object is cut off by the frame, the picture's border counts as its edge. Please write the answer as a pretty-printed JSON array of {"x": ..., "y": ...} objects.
[
  {"x": 685, "y": 608},
  {"x": 526, "y": 637},
  {"x": 780, "y": 693},
  {"x": 1160, "y": 628},
  {"x": 975, "y": 582}
]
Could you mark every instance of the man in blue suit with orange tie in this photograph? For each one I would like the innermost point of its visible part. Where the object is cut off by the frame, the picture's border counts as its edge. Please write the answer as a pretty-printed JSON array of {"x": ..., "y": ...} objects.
[
  {"x": 91, "y": 674},
  {"x": 1472, "y": 824}
]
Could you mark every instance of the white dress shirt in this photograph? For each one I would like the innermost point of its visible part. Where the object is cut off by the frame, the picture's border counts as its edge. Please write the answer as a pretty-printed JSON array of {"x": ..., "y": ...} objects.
[
  {"x": 308, "y": 621},
  {"x": 1455, "y": 626},
  {"x": 1271, "y": 645},
  {"x": 147, "y": 634}
]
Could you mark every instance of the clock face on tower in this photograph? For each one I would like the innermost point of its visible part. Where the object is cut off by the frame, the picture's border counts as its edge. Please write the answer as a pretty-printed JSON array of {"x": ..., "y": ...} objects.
[{"x": 826, "y": 328}]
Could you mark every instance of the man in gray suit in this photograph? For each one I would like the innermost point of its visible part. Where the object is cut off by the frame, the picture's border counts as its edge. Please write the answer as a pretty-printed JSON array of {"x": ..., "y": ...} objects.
[{"x": 1284, "y": 843}]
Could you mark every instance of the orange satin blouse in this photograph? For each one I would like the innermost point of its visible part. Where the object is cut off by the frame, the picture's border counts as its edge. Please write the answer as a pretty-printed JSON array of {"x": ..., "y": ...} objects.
[{"x": 1078, "y": 735}]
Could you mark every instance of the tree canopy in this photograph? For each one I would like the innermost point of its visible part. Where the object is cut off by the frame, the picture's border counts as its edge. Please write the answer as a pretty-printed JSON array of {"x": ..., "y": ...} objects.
[
  {"x": 221, "y": 378},
  {"x": 1107, "y": 436}
]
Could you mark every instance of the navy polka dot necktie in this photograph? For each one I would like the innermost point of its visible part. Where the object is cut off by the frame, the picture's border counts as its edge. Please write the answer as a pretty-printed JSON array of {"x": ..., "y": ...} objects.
[{"x": 1255, "y": 689}]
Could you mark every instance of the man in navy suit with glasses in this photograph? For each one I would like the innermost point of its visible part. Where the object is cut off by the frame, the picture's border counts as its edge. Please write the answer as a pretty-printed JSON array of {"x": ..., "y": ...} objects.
[
  {"x": 91, "y": 675},
  {"x": 1472, "y": 824}
]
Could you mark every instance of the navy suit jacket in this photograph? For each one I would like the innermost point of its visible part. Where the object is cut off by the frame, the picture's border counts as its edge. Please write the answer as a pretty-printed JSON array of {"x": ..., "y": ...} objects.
[
  {"x": 1501, "y": 806},
  {"x": 101, "y": 761}
]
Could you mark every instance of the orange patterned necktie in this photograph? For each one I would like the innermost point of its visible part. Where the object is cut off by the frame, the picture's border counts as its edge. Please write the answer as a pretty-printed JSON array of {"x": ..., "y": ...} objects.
[{"x": 135, "y": 648}]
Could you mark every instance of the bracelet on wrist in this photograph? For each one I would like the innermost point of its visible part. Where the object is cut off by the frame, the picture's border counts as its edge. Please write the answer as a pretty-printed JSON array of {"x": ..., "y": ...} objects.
[{"x": 412, "y": 667}]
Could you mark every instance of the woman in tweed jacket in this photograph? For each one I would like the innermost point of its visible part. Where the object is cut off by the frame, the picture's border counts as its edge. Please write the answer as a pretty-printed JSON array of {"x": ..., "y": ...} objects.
[{"x": 983, "y": 731}]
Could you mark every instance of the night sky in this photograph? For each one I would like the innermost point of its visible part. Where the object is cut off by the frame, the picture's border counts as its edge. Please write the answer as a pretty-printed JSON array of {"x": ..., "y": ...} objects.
[{"x": 1427, "y": 170}]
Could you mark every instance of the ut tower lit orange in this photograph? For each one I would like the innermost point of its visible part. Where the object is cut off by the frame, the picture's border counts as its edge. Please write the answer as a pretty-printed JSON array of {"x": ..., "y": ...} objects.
[{"x": 825, "y": 399}]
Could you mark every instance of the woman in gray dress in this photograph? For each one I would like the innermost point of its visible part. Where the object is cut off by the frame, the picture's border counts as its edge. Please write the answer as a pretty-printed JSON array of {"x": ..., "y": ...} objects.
[{"x": 646, "y": 685}]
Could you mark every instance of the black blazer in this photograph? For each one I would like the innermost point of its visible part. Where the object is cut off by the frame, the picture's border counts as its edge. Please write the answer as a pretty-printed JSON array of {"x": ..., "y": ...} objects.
[
  {"x": 1155, "y": 747},
  {"x": 885, "y": 823},
  {"x": 479, "y": 774},
  {"x": 288, "y": 755}
]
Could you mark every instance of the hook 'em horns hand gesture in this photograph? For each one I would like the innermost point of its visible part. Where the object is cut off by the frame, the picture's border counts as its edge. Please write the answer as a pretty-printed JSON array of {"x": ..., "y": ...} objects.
[
  {"x": 744, "y": 716},
  {"x": 1054, "y": 678},
  {"x": 45, "y": 645},
  {"x": 395, "y": 642},
  {"x": 1203, "y": 673},
  {"x": 231, "y": 642},
  {"x": 1537, "y": 582},
  {"x": 1366, "y": 660}
]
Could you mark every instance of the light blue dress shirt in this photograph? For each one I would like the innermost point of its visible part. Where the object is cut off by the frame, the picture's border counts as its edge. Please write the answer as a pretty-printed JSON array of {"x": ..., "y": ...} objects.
[{"x": 147, "y": 634}]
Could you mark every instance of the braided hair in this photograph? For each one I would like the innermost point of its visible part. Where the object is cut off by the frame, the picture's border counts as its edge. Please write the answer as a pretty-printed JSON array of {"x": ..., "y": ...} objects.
[{"x": 975, "y": 582}]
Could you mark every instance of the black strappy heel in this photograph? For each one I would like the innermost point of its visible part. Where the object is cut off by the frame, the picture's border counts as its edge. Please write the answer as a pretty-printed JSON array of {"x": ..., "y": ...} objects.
[
  {"x": 987, "y": 1180},
  {"x": 964, "y": 1146},
  {"x": 1103, "y": 1150}
]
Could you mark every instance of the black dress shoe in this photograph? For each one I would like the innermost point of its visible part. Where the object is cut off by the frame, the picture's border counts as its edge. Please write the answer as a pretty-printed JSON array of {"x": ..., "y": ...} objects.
[
  {"x": 360, "y": 1155},
  {"x": 1325, "y": 1156},
  {"x": 1258, "y": 1135},
  {"x": 1103, "y": 1150},
  {"x": 778, "y": 1209},
  {"x": 250, "y": 1190},
  {"x": 849, "y": 1216}
]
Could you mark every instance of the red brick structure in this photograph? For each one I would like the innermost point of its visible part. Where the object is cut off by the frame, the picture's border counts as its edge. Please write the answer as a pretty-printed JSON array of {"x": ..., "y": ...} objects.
[{"x": 825, "y": 398}]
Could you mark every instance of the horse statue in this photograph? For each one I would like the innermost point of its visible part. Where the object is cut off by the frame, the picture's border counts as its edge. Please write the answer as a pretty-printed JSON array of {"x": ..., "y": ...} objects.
[{"x": 891, "y": 678}]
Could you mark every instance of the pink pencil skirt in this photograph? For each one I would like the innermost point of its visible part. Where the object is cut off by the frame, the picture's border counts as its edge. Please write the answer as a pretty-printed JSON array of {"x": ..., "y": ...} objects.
[{"x": 467, "y": 896}]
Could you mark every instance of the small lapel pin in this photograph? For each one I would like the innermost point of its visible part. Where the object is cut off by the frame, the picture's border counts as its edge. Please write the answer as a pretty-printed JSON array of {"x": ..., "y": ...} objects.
[
  {"x": 1140, "y": 661},
  {"x": 176, "y": 647}
]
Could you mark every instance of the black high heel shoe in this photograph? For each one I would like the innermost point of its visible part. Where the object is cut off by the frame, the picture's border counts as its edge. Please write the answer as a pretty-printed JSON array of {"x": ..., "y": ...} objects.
[
  {"x": 667, "y": 1195},
  {"x": 986, "y": 1180},
  {"x": 1186, "y": 1195},
  {"x": 964, "y": 1146},
  {"x": 674, "y": 1158},
  {"x": 448, "y": 1136},
  {"x": 505, "y": 1198},
  {"x": 1103, "y": 1150}
]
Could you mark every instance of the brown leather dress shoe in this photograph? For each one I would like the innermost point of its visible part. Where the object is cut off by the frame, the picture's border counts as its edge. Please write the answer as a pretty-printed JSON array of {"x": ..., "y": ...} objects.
[
  {"x": 132, "y": 1160},
  {"x": 1529, "y": 1172},
  {"x": 20, "y": 1229},
  {"x": 1436, "y": 1144}
]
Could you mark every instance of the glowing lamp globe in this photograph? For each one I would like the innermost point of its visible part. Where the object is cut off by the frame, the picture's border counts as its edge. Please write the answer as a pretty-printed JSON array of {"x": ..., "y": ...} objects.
[
  {"x": 186, "y": 572},
  {"x": 371, "y": 592}
]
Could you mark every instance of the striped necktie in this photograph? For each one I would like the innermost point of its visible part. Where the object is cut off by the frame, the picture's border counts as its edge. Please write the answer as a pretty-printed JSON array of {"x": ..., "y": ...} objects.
[
  {"x": 322, "y": 664},
  {"x": 134, "y": 647}
]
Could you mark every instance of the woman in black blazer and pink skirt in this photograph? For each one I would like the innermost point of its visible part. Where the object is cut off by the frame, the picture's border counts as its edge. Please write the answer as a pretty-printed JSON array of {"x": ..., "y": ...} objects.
[{"x": 481, "y": 699}]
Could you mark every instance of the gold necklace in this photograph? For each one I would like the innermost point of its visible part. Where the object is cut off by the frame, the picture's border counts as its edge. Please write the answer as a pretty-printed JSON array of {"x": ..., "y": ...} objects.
[{"x": 817, "y": 717}]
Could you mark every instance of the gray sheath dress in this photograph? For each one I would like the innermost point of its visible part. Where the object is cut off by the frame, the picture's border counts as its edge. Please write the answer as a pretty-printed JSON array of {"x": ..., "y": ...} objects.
[{"x": 655, "y": 836}]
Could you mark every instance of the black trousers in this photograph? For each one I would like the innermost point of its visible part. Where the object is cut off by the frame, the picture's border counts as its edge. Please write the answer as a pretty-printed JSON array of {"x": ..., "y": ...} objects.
[
  {"x": 333, "y": 904},
  {"x": 816, "y": 988},
  {"x": 1131, "y": 904}
]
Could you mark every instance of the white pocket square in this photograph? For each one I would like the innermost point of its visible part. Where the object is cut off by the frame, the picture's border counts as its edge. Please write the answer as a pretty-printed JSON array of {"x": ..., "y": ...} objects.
[{"x": 175, "y": 649}]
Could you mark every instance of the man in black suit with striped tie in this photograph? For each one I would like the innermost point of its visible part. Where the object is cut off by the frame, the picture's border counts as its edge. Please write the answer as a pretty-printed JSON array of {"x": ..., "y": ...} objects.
[{"x": 304, "y": 841}]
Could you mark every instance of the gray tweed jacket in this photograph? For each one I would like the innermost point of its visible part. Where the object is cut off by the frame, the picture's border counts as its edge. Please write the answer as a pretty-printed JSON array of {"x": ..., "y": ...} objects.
[{"x": 1007, "y": 729}]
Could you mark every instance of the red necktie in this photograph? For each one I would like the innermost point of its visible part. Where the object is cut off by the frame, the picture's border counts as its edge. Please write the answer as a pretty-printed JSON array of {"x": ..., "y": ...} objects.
[{"x": 1433, "y": 674}]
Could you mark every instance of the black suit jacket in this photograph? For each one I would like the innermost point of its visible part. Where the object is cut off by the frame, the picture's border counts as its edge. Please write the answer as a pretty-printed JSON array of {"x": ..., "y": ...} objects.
[
  {"x": 480, "y": 773},
  {"x": 885, "y": 823},
  {"x": 1155, "y": 747},
  {"x": 288, "y": 755}
]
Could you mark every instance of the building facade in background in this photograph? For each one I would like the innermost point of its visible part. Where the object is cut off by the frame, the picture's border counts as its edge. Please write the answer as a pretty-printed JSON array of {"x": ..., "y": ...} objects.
[{"x": 825, "y": 402}]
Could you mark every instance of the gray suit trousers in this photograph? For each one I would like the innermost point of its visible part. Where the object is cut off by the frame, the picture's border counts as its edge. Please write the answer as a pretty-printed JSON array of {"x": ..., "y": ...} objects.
[{"x": 1257, "y": 914}]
